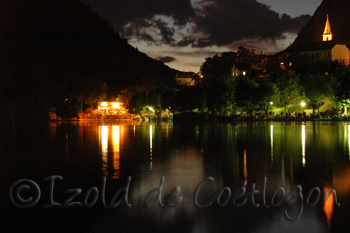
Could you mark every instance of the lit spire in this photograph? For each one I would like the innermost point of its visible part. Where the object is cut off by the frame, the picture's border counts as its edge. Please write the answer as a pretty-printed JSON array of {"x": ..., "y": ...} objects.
[{"x": 327, "y": 34}]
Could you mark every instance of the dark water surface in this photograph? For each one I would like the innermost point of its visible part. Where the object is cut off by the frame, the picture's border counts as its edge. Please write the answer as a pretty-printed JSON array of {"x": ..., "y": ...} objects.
[{"x": 305, "y": 155}]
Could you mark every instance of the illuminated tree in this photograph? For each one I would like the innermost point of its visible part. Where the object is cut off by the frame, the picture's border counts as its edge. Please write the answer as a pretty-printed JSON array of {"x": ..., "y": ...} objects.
[
  {"x": 341, "y": 87},
  {"x": 290, "y": 89},
  {"x": 317, "y": 87}
]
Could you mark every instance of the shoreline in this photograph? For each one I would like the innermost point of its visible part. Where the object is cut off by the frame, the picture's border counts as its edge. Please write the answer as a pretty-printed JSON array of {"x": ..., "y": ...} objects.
[{"x": 212, "y": 120}]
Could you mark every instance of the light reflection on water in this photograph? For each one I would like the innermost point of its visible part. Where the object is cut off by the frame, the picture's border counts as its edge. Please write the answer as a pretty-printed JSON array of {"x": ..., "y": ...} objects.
[
  {"x": 303, "y": 139},
  {"x": 288, "y": 154},
  {"x": 230, "y": 153}
]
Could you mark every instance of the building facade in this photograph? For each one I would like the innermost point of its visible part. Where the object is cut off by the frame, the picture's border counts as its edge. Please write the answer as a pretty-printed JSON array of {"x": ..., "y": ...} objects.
[{"x": 187, "y": 78}]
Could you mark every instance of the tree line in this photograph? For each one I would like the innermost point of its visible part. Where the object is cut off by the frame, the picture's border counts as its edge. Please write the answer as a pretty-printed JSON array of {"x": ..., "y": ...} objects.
[{"x": 271, "y": 82}]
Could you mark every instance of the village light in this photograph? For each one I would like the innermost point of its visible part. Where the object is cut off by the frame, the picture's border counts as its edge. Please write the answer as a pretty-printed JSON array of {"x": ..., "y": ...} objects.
[
  {"x": 271, "y": 103},
  {"x": 115, "y": 104}
]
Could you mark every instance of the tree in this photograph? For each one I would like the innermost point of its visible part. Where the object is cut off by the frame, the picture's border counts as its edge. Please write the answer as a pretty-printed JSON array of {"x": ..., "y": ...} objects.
[
  {"x": 138, "y": 102},
  {"x": 92, "y": 91},
  {"x": 267, "y": 93},
  {"x": 244, "y": 52},
  {"x": 317, "y": 87},
  {"x": 218, "y": 66},
  {"x": 290, "y": 89},
  {"x": 340, "y": 82},
  {"x": 220, "y": 94},
  {"x": 69, "y": 108},
  {"x": 245, "y": 94},
  {"x": 167, "y": 98},
  {"x": 138, "y": 98}
]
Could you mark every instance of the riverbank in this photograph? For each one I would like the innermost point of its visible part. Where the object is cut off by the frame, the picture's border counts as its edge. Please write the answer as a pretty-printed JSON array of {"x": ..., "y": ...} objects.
[{"x": 204, "y": 117}]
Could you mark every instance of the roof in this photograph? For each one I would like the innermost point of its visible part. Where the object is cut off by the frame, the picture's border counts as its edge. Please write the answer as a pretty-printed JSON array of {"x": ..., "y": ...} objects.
[{"x": 327, "y": 29}]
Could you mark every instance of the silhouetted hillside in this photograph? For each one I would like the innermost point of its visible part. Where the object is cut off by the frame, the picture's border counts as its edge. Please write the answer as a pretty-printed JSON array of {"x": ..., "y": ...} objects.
[
  {"x": 49, "y": 42},
  {"x": 339, "y": 17}
]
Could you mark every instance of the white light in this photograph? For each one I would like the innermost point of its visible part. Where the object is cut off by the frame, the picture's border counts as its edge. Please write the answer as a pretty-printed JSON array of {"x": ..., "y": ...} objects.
[
  {"x": 303, "y": 139},
  {"x": 115, "y": 104},
  {"x": 303, "y": 104},
  {"x": 271, "y": 103}
]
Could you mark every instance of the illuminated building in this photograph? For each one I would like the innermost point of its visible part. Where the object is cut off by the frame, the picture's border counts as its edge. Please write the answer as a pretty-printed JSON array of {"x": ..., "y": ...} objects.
[
  {"x": 240, "y": 68},
  {"x": 111, "y": 106},
  {"x": 187, "y": 78},
  {"x": 327, "y": 49},
  {"x": 327, "y": 33}
]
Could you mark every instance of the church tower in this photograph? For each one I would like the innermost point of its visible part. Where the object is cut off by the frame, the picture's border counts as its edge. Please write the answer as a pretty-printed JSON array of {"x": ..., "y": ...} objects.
[{"x": 327, "y": 34}]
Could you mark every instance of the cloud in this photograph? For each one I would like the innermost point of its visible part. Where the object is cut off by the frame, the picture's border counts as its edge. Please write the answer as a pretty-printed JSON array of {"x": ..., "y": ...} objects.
[
  {"x": 146, "y": 37},
  {"x": 201, "y": 24},
  {"x": 166, "y": 32},
  {"x": 122, "y": 12},
  {"x": 166, "y": 59},
  {"x": 227, "y": 21},
  {"x": 186, "y": 41}
]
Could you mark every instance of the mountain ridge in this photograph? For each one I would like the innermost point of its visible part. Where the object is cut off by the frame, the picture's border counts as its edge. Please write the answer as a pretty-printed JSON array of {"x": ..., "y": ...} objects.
[{"x": 65, "y": 39}]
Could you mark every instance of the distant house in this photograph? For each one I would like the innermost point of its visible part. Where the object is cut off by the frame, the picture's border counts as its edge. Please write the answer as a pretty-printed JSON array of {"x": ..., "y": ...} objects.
[
  {"x": 240, "y": 68},
  {"x": 111, "y": 106},
  {"x": 326, "y": 50},
  {"x": 187, "y": 78}
]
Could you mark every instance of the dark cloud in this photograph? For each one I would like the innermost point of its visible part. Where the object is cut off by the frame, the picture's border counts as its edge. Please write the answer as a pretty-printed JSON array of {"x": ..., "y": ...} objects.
[
  {"x": 186, "y": 41},
  {"x": 208, "y": 22},
  {"x": 166, "y": 33},
  {"x": 227, "y": 21},
  {"x": 166, "y": 59},
  {"x": 146, "y": 37},
  {"x": 122, "y": 12}
]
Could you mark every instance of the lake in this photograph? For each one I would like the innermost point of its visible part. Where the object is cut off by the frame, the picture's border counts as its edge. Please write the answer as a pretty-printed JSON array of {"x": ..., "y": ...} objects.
[{"x": 125, "y": 176}]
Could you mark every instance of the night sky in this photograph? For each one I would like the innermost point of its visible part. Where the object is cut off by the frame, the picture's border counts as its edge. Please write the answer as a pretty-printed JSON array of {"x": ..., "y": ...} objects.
[{"x": 181, "y": 33}]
